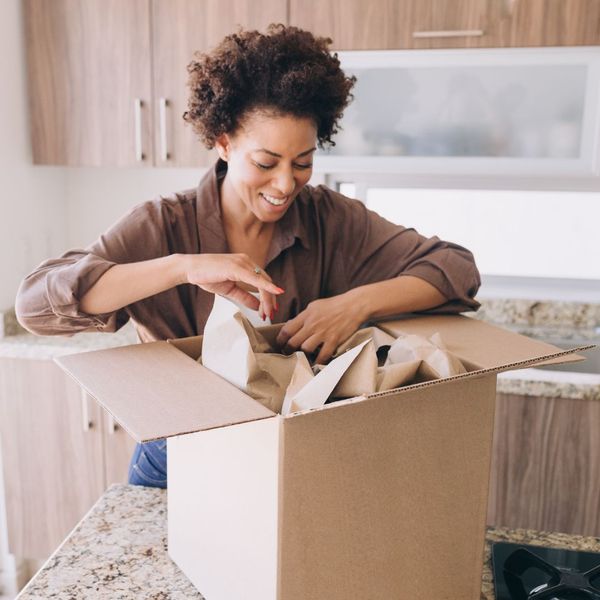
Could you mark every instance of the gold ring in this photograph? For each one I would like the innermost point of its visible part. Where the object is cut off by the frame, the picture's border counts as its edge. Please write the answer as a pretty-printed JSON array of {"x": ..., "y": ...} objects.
[{"x": 257, "y": 270}]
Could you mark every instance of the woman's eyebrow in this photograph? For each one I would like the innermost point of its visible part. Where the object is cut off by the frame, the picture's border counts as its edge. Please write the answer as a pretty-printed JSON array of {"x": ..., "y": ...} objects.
[{"x": 279, "y": 155}]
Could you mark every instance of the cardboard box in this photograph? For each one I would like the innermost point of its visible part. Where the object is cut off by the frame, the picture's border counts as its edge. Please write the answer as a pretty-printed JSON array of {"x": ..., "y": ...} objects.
[{"x": 379, "y": 497}]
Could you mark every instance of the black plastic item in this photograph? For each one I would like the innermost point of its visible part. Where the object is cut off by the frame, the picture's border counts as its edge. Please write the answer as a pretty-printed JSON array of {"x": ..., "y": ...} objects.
[{"x": 538, "y": 573}]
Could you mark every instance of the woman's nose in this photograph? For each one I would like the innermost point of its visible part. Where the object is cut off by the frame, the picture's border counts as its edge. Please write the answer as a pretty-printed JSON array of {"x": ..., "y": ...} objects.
[{"x": 284, "y": 182}]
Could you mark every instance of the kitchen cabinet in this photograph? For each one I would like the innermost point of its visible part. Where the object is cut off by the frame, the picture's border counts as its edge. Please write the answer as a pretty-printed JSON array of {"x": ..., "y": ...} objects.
[
  {"x": 426, "y": 24},
  {"x": 354, "y": 24},
  {"x": 551, "y": 23},
  {"x": 545, "y": 465},
  {"x": 58, "y": 454},
  {"x": 89, "y": 76},
  {"x": 450, "y": 116},
  {"x": 392, "y": 24},
  {"x": 107, "y": 78}
]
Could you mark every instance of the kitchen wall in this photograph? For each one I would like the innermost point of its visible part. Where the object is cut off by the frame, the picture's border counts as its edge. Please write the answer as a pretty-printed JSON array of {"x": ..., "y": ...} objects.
[
  {"x": 96, "y": 198},
  {"x": 33, "y": 203}
]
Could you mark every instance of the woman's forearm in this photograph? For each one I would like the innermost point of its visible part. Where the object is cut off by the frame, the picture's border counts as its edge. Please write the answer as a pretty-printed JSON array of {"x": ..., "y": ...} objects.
[
  {"x": 124, "y": 284},
  {"x": 394, "y": 296}
]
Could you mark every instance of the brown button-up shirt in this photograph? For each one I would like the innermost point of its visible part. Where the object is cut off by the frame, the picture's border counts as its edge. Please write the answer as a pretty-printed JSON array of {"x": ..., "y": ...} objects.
[{"x": 324, "y": 245}]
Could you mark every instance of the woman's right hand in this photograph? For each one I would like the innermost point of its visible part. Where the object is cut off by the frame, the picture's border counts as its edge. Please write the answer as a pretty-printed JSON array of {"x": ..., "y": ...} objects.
[{"x": 222, "y": 273}]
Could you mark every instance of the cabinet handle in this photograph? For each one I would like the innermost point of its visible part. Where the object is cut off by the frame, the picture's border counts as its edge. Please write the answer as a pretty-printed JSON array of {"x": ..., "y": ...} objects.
[
  {"x": 137, "y": 112},
  {"x": 112, "y": 424},
  {"x": 449, "y": 33},
  {"x": 162, "y": 109},
  {"x": 85, "y": 412}
]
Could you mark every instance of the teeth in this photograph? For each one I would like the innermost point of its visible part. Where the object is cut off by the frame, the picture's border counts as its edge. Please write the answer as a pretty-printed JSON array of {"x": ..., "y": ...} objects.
[{"x": 274, "y": 201}]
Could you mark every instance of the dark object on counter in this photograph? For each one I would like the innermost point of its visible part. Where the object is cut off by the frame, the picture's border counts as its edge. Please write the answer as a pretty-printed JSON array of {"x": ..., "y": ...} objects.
[{"x": 536, "y": 573}]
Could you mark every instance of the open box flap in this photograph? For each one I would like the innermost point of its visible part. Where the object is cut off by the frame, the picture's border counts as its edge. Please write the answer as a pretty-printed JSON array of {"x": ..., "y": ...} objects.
[
  {"x": 480, "y": 344},
  {"x": 154, "y": 390}
]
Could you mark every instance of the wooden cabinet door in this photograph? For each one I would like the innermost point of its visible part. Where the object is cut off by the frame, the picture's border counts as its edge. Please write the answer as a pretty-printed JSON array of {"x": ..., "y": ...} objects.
[
  {"x": 51, "y": 452},
  {"x": 545, "y": 465},
  {"x": 118, "y": 448},
  {"x": 89, "y": 81},
  {"x": 553, "y": 23},
  {"x": 179, "y": 28},
  {"x": 398, "y": 24},
  {"x": 455, "y": 23},
  {"x": 355, "y": 24}
]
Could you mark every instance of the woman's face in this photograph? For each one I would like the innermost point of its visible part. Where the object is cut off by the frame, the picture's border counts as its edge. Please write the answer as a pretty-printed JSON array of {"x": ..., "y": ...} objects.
[{"x": 269, "y": 160}]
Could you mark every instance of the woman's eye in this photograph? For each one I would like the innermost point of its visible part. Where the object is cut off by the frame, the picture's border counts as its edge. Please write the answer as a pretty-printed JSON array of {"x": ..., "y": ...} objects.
[
  {"x": 265, "y": 167},
  {"x": 296, "y": 165}
]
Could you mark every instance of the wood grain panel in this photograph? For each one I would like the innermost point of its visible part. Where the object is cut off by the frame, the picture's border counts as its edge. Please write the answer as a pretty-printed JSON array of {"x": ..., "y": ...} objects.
[
  {"x": 452, "y": 16},
  {"x": 389, "y": 24},
  {"x": 357, "y": 25},
  {"x": 553, "y": 23},
  {"x": 87, "y": 61},
  {"x": 179, "y": 28},
  {"x": 546, "y": 465},
  {"x": 53, "y": 469}
]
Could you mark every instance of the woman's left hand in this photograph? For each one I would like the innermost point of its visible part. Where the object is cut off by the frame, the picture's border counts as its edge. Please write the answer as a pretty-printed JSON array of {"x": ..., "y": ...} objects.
[{"x": 326, "y": 322}]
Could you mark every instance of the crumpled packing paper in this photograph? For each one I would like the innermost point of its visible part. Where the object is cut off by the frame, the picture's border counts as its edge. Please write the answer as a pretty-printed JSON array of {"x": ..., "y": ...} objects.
[{"x": 369, "y": 361}]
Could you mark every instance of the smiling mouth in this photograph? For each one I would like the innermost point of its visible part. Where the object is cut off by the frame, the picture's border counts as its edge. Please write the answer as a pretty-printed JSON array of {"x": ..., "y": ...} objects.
[{"x": 274, "y": 201}]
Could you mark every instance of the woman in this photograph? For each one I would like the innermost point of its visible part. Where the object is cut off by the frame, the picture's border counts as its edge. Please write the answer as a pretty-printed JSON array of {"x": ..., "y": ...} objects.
[{"x": 321, "y": 263}]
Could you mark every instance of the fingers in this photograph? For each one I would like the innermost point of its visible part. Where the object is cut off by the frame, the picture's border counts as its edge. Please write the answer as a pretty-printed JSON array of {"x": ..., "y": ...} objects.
[
  {"x": 327, "y": 351},
  {"x": 253, "y": 275},
  {"x": 268, "y": 305},
  {"x": 246, "y": 272},
  {"x": 289, "y": 329},
  {"x": 243, "y": 297},
  {"x": 268, "y": 301},
  {"x": 311, "y": 345},
  {"x": 221, "y": 274}
]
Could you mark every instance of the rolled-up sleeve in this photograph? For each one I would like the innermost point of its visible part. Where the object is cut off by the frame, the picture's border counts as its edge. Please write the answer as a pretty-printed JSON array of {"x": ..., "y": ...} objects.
[
  {"x": 373, "y": 249},
  {"x": 48, "y": 299}
]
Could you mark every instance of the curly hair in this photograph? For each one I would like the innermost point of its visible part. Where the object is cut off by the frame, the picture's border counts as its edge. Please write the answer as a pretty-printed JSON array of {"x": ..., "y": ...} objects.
[{"x": 285, "y": 71}]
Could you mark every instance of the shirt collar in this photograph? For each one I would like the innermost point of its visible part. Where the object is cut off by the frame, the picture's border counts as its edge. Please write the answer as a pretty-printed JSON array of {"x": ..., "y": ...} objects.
[{"x": 210, "y": 218}]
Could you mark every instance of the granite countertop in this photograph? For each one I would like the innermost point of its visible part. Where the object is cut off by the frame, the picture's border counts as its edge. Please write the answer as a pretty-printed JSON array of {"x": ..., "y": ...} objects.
[
  {"x": 16, "y": 342},
  {"x": 119, "y": 551}
]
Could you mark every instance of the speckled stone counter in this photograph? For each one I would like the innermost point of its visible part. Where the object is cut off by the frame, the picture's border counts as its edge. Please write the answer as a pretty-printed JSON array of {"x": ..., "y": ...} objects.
[
  {"x": 119, "y": 551},
  {"x": 26, "y": 345},
  {"x": 582, "y": 318},
  {"x": 550, "y": 384}
]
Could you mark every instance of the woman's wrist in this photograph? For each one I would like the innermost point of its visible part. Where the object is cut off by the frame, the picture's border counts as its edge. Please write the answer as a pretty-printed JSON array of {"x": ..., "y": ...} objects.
[
  {"x": 357, "y": 303},
  {"x": 181, "y": 266}
]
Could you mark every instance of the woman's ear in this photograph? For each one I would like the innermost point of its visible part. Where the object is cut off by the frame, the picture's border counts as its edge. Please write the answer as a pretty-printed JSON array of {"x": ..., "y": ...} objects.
[{"x": 223, "y": 144}]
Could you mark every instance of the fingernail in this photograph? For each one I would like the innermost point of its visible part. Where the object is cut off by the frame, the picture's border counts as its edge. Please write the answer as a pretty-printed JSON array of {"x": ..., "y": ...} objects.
[
  {"x": 280, "y": 290},
  {"x": 262, "y": 316}
]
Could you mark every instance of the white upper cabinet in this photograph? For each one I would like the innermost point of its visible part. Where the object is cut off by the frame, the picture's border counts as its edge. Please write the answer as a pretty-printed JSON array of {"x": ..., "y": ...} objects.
[{"x": 522, "y": 112}]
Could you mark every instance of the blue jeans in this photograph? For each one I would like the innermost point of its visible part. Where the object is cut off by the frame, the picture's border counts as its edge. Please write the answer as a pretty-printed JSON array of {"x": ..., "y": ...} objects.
[{"x": 148, "y": 464}]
